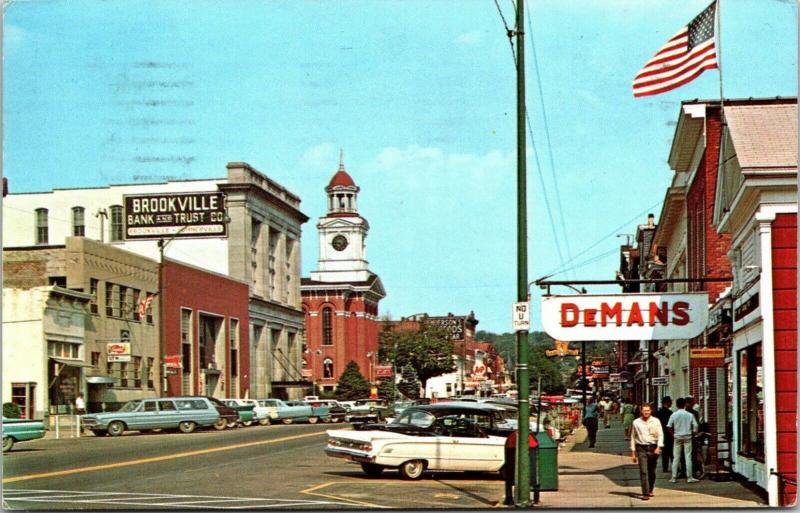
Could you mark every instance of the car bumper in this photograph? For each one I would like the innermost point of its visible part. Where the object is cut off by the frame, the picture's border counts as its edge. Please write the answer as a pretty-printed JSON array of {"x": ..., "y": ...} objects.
[{"x": 349, "y": 455}]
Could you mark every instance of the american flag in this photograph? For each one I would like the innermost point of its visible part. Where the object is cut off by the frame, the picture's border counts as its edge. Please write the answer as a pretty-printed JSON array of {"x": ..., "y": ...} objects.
[
  {"x": 685, "y": 56},
  {"x": 144, "y": 304}
]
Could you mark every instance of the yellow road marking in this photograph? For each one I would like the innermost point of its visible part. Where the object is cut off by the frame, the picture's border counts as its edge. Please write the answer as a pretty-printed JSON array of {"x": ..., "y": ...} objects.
[
  {"x": 312, "y": 491},
  {"x": 157, "y": 458}
]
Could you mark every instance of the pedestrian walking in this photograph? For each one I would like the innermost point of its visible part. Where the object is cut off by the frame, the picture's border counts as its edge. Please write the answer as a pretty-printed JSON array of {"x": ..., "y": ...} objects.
[
  {"x": 80, "y": 405},
  {"x": 663, "y": 414},
  {"x": 590, "y": 420},
  {"x": 627, "y": 419},
  {"x": 647, "y": 442},
  {"x": 682, "y": 426},
  {"x": 509, "y": 468},
  {"x": 606, "y": 404}
]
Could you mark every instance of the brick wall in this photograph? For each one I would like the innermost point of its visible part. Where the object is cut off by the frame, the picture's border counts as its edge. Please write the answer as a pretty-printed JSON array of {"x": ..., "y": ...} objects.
[
  {"x": 784, "y": 284},
  {"x": 25, "y": 269}
]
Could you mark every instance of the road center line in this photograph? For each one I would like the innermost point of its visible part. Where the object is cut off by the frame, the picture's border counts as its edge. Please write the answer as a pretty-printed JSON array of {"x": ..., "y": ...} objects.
[{"x": 157, "y": 458}]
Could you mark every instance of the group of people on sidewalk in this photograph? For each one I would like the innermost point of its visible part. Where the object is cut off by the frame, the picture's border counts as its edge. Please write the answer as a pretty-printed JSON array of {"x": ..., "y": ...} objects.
[{"x": 667, "y": 434}]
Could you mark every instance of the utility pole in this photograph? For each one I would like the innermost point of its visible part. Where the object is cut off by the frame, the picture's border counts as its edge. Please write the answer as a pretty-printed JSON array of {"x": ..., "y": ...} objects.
[
  {"x": 523, "y": 488},
  {"x": 162, "y": 347},
  {"x": 584, "y": 377}
]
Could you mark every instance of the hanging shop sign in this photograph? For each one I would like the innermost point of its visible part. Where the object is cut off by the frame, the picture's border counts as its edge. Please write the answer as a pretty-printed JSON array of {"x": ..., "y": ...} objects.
[
  {"x": 119, "y": 351},
  {"x": 561, "y": 349},
  {"x": 173, "y": 362},
  {"x": 383, "y": 371},
  {"x": 184, "y": 214},
  {"x": 701, "y": 357},
  {"x": 600, "y": 369},
  {"x": 625, "y": 316}
]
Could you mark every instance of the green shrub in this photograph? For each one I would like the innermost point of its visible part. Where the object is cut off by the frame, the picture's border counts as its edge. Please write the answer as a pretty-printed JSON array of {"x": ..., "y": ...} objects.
[{"x": 11, "y": 411}]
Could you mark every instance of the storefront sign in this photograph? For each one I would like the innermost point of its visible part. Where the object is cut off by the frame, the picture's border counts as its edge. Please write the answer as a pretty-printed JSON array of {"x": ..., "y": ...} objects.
[
  {"x": 747, "y": 306},
  {"x": 615, "y": 378},
  {"x": 185, "y": 214},
  {"x": 119, "y": 351},
  {"x": 173, "y": 362},
  {"x": 625, "y": 316},
  {"x": 453, "y": 325},
  {"x": 700, "y": 357},
  {"x": 660, "y": 381},
  {"x": 383, "y": 371},
  {"x": 600, "y": 369}
]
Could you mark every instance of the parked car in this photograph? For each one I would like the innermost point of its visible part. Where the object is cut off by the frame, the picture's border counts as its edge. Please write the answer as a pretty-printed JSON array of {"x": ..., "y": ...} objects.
[
  {"x": 288, "y": 412},
  {"x": 367, "y": 410},
  {"x": 336, "y": 412},
  {"x": 228, "y": 417},
  {"x": 261, "y": 413},
  {"x": 245, "y": 410},
  {"x": 183, "y": 413},
  {"x": 321, "y": 412},
  {"x": 20, "y": 430},
  {"x": 445, "y": 436}
]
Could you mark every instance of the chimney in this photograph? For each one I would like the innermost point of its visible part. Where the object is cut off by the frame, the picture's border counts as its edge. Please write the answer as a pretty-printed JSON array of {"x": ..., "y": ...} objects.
[{"x": 651, "y": 220}]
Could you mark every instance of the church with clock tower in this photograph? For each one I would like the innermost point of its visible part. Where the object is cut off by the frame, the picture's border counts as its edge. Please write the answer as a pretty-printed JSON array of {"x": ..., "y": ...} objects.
[{"x": 340, "y": 299}]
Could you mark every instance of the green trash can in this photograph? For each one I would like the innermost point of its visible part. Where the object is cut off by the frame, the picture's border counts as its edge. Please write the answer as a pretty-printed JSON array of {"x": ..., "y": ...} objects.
[{"x": 548, "y": 462}]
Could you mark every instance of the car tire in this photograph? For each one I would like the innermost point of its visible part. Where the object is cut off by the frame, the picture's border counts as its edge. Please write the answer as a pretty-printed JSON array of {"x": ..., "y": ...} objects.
[
  {"x": 116, "y": 428},
  {"x": 99, "y": 432},
  {"x": 334, "y": 419},
  {"x": 313, "y": 420},
  {"x": 265, "y": 422},
  {"x": 187, "y": 426},
  {"x": 412, "y": 470},
  {"x": 247, "y": 423},
  {"x": 371, "y": 469},
  {"x": 286, "y": 421},
  {"x": 8, "y": 443},
  {"x": 232, "y": 424},
  {"x": 220, "y": 424}
]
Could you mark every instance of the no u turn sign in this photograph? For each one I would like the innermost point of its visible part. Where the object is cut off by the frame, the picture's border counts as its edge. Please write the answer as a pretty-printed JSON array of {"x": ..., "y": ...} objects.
[{"x": 521, "y": 317}]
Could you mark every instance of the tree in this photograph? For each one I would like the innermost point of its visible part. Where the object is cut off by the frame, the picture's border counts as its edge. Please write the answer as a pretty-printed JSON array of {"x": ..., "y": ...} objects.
[
  {"x": 409, "y": 384},
  {"x": 386, "y": 390},
  {"x": 428, "y": 351},
  {"x": 352, "y": 384}
]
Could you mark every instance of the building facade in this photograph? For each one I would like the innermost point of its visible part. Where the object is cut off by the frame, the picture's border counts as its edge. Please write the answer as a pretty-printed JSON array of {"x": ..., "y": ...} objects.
[
  {"x": 340, "y": 299},
  {"x": 262, "y": 249}
]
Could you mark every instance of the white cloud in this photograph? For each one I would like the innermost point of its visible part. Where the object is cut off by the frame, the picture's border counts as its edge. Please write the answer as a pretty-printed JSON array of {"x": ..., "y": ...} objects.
[
  {"x": 321, "y": 156},
  {"x": 470, "y": 38}
]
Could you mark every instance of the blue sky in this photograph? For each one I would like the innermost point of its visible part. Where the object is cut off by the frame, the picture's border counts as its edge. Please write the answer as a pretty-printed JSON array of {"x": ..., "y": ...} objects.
[{"x": 419, "y": 94}]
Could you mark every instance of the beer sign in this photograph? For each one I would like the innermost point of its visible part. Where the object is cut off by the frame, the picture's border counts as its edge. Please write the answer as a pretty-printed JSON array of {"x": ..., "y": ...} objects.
[
  {"x": 653, "y": 316},
  {"x": 119, "y": 351}
]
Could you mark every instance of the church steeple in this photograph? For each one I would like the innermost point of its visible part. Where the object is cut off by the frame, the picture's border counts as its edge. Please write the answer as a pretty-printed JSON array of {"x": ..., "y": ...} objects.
[{"x": 342, "y": 192}]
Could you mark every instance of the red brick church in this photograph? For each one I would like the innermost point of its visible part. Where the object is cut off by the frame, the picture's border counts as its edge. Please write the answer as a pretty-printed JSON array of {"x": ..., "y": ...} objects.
[{"x": 340, "y": 299}]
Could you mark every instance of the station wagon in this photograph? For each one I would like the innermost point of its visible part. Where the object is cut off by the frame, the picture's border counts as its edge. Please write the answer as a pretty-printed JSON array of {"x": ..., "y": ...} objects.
[{"x": 183, "y": 413}]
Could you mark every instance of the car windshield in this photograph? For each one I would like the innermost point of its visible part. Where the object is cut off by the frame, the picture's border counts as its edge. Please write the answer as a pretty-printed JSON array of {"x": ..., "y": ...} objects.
[
  {"x": 130, "y": 406},
  {"x": 416, "y": 418}
]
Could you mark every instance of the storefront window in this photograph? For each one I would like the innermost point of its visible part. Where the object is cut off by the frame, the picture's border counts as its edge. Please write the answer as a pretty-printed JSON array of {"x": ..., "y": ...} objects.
[{"x": 751, "y": 402}]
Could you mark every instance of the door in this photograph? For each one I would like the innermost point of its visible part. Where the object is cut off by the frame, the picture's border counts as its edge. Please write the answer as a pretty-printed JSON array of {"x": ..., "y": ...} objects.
[
  {"x": 146, "y": 417},
  {"x": 168, "y": 415}
]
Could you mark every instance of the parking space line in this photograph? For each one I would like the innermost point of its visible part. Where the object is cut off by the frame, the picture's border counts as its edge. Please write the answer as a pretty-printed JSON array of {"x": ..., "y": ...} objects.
[
  {"x": 313, "y": 491},
  {"x": 158, "y": 458}
]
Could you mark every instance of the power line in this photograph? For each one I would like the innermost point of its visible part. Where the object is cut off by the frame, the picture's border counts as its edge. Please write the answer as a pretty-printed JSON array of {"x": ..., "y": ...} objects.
[{"x": 547, "y": 136}]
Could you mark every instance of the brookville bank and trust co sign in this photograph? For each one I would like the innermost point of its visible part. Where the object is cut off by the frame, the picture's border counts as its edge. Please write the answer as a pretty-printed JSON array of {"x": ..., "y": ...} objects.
[
  {"x": 189, "y": 214},
  {"x": 625, "y": 316}
]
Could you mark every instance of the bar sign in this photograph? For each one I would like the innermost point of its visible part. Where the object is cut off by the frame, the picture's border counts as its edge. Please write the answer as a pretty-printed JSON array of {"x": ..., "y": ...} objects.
[{"x": 521, "y": 316}]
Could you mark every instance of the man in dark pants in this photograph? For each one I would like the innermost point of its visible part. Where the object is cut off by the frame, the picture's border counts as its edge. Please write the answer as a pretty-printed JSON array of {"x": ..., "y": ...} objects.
[
  {"x": 663, "y": 414},
  {"x": 647, "y": 442},
  {"x": 590, "y": 420}
]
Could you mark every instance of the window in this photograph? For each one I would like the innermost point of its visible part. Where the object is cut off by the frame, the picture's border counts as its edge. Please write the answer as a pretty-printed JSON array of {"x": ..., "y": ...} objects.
[
  {"x": 116, "y": 224},
  {"x": 122, "y": 306},
  {"x": 137, "y": 371},
  {"x": 327, "y": 327},
  {"x": 95, "y": 359},
  {"x": 93, "y": 291},
  {"x": 150, "y": 373},
  {"x": 751, "y": 402},
  {"x": 327, "y": 368},
  {"x": 41, "y": 226},
  {"x": 109, "y": 368},
  {"x": 234, "y": 336},
  {"x": 109, "y": 299},
  {"x": 23, "y": 395},
  {"x": 149, "y": 406},
  {"x": 166, "y": 406},
  {"x": 134, "y": 305},
  {"x": 78, "y": 225},
  {"x": 149, "y": 311},
  {"x": 63, "y": 350},
  {"x": 123, "y": 374}
]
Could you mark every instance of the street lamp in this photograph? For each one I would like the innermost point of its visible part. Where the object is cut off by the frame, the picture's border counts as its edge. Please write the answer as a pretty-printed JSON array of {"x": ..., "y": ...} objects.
[
  {"x": 371, "y": 371},
  {"x": 313, "y": 370}
]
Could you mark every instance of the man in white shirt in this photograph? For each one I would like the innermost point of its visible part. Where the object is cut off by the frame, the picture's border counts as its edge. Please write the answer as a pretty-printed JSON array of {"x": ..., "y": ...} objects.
[
  {"x": 647, "y": 440},
  {"x": 682, "y": 425}
]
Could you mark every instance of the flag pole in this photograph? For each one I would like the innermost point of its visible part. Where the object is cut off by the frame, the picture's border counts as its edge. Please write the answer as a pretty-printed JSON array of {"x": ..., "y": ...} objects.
[{"x": 719, "y": 49}]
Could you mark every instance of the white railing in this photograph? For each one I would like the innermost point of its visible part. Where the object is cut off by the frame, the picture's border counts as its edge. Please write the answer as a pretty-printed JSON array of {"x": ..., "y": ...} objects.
[{"x": 66, "y": 425}]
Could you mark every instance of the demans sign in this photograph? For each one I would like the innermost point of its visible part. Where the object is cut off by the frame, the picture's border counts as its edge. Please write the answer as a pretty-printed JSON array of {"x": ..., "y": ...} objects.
[
  {"x": 184, "y": 214},
  {"x": 625, "y": 316}
]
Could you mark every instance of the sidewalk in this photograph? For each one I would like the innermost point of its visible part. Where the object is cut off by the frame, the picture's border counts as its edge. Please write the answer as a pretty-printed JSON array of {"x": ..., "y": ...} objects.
[{"x": 605, "y": 477}]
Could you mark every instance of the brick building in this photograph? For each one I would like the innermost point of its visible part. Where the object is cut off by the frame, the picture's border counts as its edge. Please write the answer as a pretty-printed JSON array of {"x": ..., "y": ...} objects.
[
  {"x": 340, "y": 299},
  {"x": 208, "y": 331}
]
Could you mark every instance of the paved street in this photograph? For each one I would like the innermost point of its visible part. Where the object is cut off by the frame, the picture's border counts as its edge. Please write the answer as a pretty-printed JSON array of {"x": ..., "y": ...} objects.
[{"x": 276, "y": 467}]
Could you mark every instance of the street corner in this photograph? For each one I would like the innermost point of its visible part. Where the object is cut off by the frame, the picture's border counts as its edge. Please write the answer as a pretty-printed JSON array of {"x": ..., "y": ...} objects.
[{"x": 445, "y": 491}]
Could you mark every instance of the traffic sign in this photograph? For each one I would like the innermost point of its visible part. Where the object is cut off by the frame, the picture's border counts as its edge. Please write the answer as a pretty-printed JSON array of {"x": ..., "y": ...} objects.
[
  {"x": 521, "y": 316},
  {"x": 660, "y": 381}
]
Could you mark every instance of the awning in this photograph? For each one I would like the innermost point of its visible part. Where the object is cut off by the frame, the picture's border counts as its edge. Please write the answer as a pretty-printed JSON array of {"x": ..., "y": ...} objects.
[
  {"x": 71, "y": 363},
  {"x": 100, "y": 380}
]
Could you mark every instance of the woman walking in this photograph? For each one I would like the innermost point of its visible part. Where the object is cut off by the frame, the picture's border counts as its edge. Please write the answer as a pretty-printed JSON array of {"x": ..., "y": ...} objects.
[{"x": 627, "y": 419}]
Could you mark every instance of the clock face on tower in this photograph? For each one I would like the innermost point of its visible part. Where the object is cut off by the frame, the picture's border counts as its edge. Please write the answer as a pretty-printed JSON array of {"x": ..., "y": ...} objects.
[{"x": 339, "y": 242}]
